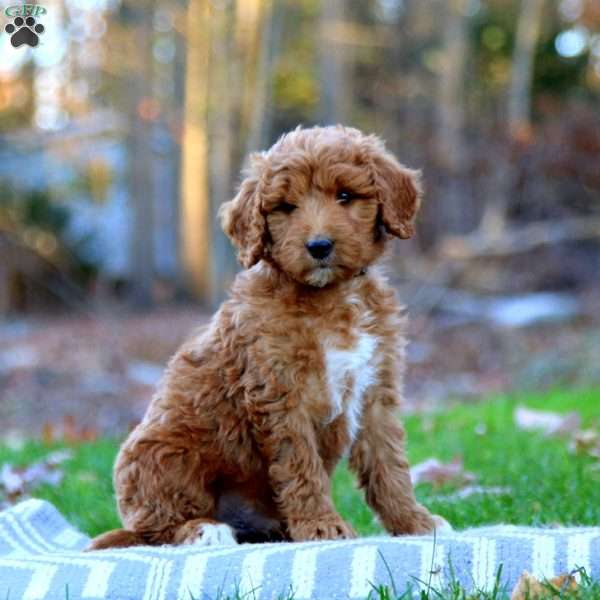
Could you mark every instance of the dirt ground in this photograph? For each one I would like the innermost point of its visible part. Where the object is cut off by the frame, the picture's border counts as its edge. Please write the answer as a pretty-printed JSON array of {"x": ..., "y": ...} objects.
[{"x": 82, "y": 376}]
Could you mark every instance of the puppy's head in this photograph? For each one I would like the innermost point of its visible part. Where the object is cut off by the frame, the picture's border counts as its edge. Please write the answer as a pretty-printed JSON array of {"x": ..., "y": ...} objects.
[{"x": 321, "y": 203}]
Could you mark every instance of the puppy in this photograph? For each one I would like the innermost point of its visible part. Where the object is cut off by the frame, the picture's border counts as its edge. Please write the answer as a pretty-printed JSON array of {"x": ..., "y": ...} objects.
[{"x": 300, "y": 367}]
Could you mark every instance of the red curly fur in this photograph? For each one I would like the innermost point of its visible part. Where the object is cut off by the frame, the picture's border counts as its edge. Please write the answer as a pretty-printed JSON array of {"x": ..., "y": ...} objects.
[{"x": 302, "y": 364}]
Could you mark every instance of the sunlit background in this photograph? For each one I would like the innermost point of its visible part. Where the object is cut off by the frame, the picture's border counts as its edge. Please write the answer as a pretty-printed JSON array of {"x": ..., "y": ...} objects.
[{"x": 123, "y": 131}]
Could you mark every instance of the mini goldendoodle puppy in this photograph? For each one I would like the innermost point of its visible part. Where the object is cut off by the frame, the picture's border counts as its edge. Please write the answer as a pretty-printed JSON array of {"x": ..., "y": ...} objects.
[{"x": 300, "y": 367}]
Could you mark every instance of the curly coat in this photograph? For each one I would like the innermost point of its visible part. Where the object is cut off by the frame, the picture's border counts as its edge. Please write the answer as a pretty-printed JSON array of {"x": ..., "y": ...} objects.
[{"x": 299, "y": 367}]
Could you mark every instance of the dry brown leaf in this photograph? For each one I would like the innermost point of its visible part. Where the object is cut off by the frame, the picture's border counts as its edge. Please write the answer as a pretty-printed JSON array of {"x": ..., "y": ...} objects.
[
  {"x": 47, "y": 432},
  {"x": 11, "y": 482},
  {"x": 15, "y": 482},
  {"x": 530, "y": 588},
  {"x": 68, "y": 431},
  {"x": 549, "y": 423},
  {"x": 437, "y": 473},
  {"x": 89, "y": 434},
  {"x": 472, "y": 490},
  {"x": 586, "y": 441}
]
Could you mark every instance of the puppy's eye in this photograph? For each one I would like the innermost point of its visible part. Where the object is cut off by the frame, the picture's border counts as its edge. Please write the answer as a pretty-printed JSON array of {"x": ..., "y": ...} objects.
[
  {"x": 285, "y": 207},
  {"x": 345, "y": 196}
]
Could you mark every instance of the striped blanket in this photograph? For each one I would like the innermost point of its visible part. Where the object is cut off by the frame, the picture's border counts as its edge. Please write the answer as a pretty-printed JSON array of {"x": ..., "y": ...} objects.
[{"x": 41, "y": 558}]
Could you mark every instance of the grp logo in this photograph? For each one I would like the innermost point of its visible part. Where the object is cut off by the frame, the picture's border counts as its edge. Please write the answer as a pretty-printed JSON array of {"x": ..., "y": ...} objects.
[{"x": 24, "y": 28}]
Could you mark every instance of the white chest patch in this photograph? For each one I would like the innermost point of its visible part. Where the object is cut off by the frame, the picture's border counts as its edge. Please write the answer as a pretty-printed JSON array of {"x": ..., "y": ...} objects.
[{"x": 349, "y": 373}]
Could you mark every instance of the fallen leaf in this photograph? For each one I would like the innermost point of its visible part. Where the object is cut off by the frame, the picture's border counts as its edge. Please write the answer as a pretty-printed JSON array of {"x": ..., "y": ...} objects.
[
  {"x": 14, "y": 440},
  {"x": 58, "y": 456},
  {"x": 15, "y": 482},
  {"x": 11, "y": 482},
  {"x": 87, "y": 477},
  {"x": 586, "y": 441},
  {"x": 549, "y": 423},
  {"x": 89, "y": 434},
  {"x": 481, "y": 429},
  {"x": 473, "y": 490},
  {"x": 40, "y": 473},
  {"x": 564, "y": 583},
  {"x": 70, "y": 432},
  {"x": 437, "y": 473},
  {"x": 530, "y": 588},
  {"x": 47, "y": 432}
]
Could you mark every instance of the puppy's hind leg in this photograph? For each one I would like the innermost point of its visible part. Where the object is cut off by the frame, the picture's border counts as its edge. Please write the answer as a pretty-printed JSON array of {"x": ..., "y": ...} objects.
[
  {"x": 117, "y": 538},
  {"x": 165, "y": 495},
  {"x": 204, "y": 532}
]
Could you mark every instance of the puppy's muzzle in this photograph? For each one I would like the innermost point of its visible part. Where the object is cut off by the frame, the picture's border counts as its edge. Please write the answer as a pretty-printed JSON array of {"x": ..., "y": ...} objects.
[{"x": 319, "y": 248}]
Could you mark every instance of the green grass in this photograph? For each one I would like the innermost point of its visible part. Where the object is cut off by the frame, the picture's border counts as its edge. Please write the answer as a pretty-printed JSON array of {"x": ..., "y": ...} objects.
[
  {"x": 587, "y": 589},
  {"x": 85, "y": 495},
  {"x": 549, "y": 485}
]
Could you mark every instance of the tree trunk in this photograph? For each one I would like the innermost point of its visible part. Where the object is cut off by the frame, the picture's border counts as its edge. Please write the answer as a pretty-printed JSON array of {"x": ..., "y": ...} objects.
[
  {"x": 141, "y": 159},
  {"x": 493, "y": 222},
  {"x": 335, "y": 96},
  {"x": 519, "y": 99},
  {"x": 450, "y": 147},
  {"x": 261, "y": 108},
  {"x": 179, "y": 75},
  {"x": 222, "y": 96},
  {"x": 195, "y": 214},
  {"x": 248, "y": 40}
]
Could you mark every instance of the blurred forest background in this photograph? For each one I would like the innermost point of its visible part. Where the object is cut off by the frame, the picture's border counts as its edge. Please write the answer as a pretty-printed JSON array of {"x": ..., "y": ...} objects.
[{"x": 127, "y": 127}]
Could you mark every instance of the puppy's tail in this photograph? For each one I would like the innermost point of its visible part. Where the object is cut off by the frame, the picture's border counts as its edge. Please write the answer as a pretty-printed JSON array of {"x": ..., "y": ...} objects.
[{"x": 117, "y": 538}]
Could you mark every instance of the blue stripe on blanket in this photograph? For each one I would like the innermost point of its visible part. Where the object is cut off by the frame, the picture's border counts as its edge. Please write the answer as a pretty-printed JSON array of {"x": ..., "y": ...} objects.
[{"x": 41, "y": 558}]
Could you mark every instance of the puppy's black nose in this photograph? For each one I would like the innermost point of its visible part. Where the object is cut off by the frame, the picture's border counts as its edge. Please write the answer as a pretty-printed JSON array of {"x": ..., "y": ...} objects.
[{"x": 319, "y": 248}]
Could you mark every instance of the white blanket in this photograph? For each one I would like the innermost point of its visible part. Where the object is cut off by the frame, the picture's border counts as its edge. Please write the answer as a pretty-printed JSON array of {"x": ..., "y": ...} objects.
[{"x": 41, "y": 558}]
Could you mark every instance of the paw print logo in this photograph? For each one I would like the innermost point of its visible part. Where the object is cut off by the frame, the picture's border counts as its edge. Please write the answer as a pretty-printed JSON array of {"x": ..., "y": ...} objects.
[{"x": 24, "y": 31}]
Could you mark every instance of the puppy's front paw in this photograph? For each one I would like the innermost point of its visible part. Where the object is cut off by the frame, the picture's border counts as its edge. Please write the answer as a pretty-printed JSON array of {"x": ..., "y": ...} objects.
[
  {"x": 419, "y": 521},
  {"x": 422, "y": 522},
  {"x": 441, "y": 525},
  {"x": 329, "y": 527}
]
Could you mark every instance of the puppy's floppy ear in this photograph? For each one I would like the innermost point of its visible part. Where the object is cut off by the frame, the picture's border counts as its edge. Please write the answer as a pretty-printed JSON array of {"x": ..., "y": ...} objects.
[
  {"x": 243, "y": 221},
  {"x": 399, "y": 190}
]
